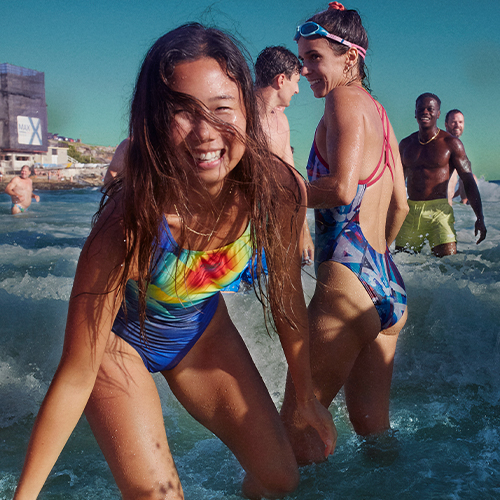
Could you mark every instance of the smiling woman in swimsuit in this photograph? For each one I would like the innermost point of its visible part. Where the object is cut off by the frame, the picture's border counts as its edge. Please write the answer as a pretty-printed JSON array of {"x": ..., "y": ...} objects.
[
  {"x": 200, "y": 196},
  {"x": 357, "y": 190}
]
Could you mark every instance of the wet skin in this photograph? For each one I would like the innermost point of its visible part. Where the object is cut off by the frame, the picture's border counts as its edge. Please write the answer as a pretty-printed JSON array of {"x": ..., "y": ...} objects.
[{"x": 428, "y": 166}]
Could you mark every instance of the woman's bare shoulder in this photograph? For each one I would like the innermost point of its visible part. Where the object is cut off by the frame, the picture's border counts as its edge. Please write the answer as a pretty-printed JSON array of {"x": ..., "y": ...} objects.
[
  {"x": 106, "y": 247},
  {"x": 345, "y": 104},
  {"x": 341, "y": 95}
]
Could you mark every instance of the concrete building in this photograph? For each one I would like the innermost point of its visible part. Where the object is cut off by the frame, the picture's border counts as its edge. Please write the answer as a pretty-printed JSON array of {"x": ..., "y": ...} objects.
[
  {"x": 23, "y": 118},
  {"x": 55, "y": 157}
]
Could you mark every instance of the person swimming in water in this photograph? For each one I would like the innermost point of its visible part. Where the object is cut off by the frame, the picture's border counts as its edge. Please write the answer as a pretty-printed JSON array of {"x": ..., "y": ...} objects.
[
  {"x": 201, "y": 195},
  {"x": 20, "y": 189},
  {"x": 357, "y": 189}
]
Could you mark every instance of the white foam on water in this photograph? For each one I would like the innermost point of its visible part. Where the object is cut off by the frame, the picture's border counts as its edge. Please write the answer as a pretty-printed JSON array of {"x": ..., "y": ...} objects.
[
  {"x": 446, "y": 387},
  {"x": 489, "y": 191},
  {"x": 26, "y": 257},
  {"x": 265, "y": 348},
  {"x": 20, "y": 392},
  {"x": 28, "y": 287}
]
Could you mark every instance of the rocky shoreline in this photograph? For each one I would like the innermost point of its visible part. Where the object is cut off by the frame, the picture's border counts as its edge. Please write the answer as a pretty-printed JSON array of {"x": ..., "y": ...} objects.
[{"x": 43, "y": 184}]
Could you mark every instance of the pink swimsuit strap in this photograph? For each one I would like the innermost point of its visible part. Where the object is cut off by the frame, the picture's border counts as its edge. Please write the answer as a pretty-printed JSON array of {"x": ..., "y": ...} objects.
[
  {"x": 379, "y": 170},
  {"x": 386, "y": 150}
]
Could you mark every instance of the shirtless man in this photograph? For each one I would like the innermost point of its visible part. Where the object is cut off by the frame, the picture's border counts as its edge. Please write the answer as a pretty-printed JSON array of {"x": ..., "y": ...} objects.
[
  {"x": 429, "y": 157},
  {"x": 117, "y": 162},
  {"x": 277, "y": 75},
  {"x": 20, "y": 189},
  {"x": 454, "y": 123}
]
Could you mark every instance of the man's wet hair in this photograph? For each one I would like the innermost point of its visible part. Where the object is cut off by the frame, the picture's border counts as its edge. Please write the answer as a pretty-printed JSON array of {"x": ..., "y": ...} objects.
[
  {"x": 428, "y": 94},
  {"x": 452, "y": 112},
  {"x": 273, "y": 61}
]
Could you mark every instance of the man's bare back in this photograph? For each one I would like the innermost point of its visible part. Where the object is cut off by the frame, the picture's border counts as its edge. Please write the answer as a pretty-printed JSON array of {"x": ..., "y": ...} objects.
[
  {"x": 277, "y": 130},
  {"x": 277, "y": 75}
]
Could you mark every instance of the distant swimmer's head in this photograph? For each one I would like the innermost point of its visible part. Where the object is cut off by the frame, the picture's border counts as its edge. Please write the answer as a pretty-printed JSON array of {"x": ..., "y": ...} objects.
[
  {"x": 454, "y": 122},
  {"x": 280, "y": 68},
  {"x": 427, "y": 109},
  {"x": 342, "y": 30},
  {"x": 25, "y": 172}
]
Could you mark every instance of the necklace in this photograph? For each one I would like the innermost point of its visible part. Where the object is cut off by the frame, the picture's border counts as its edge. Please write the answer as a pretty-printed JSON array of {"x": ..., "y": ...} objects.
[
  {"x": 431, "y": 139},
  {"x": 206, "y": 235}
]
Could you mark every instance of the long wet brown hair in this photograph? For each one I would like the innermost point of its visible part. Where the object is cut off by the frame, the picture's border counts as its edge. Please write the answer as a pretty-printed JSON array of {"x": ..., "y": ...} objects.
[{"x": 156, "y": 176}]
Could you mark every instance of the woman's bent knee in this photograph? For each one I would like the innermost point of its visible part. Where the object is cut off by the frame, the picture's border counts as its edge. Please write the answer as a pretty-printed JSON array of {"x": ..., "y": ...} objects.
[
  {"x": 272, "y": 484},
  {"x": 370, "y": 424},
  {"x": 285, "y": 483}
]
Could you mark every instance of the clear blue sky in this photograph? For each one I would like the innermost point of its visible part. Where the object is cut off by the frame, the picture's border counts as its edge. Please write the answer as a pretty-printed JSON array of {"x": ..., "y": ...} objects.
[{"x": 90, "y": 52}]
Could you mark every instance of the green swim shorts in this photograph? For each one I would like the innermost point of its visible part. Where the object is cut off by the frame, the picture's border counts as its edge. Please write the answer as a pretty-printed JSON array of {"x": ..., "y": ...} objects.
[{"x": 430, "y": 220}]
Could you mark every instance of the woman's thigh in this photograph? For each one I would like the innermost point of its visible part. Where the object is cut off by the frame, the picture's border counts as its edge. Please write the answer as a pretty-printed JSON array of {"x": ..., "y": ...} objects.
[
  {"x": 367, "y": 389},
  {"x": 124, "y": 412},
  {"x": 342, "y": 321},
  {"x": 218, "y": 383},
  {"x": 348, "y": 349}
]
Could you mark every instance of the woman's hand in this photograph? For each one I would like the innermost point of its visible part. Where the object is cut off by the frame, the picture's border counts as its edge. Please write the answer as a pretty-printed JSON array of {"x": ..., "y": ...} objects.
[
  {"x": 318, "y": 417},
  {"x": 307, "y": 246}
]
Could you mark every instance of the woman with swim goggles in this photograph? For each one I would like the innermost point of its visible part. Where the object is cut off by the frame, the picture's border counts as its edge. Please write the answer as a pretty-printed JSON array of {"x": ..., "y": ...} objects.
[
  {"x": 314, "y": 29},
  {"x": 356, "y": 186}
]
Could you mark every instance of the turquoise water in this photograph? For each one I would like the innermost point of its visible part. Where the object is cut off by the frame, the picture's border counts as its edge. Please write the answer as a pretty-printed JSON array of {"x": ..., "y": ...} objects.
[{"x": 445, "y": 407}]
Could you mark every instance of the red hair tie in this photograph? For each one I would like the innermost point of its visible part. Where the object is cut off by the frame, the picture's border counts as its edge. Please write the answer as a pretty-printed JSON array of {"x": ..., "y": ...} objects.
[{"x": 335, "y": 6}]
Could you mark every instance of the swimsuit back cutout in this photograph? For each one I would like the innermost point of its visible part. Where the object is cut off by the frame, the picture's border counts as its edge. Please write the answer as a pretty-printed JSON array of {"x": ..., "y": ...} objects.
[
  {"x": 386, "y": 154},
  {"x": 182, "y": 298},
  {"x": 318, "y": 167}
]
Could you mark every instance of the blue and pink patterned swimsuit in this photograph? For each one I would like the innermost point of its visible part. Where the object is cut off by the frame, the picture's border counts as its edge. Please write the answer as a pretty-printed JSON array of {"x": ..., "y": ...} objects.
[{"x": 339, "y": 238}]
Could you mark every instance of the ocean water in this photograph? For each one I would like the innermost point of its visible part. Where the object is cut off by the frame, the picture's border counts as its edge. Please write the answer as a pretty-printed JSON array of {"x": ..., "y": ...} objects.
[{"x": 445, "y": 407}]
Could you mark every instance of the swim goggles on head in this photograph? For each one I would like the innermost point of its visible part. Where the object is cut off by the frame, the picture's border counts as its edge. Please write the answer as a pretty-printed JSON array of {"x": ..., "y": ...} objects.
[{"x": 314, "y": 29}]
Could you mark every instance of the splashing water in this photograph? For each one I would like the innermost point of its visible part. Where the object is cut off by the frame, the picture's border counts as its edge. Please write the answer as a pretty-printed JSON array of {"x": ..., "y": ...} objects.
[{"x": 445, "y": 406}]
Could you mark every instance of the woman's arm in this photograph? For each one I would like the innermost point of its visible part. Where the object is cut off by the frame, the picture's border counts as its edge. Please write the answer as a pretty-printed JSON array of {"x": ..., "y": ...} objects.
[
  {"x": 293, "y": 328},
  {"x": 342, "y": 127},
  {"x": 307, "y": 245},
  {"x": 398, "y": 208},
  {"x": 92, "y": 308}
]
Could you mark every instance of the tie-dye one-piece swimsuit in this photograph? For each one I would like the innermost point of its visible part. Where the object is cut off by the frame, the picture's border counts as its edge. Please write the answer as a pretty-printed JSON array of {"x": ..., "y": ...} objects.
[{"x": 181, "y": 299}]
